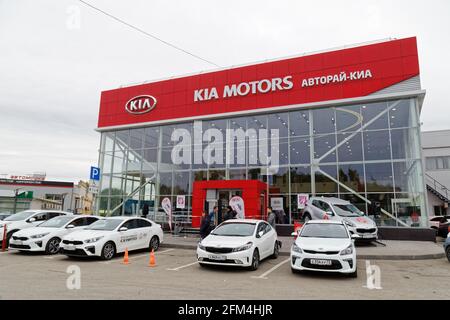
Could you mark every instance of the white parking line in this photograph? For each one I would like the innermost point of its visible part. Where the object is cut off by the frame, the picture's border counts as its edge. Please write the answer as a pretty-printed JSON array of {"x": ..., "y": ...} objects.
[
  {"x": 264, "y": 275},
  {"x": 185, "y": 266},
  {"x": 48, "y": 257}
]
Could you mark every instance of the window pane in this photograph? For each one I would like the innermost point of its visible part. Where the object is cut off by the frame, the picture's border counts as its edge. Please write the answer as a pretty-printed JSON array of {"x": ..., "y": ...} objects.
[
  {"x": 324, "y": 121},
  {"x": 151, "y": 138},
  {"x": 325, "y": 184},
  {"x": 136, "y": 138},
  {"x": 237, "y": 174},
  {"x": 402, "y": 115},
  {"x": 348, "y": 118},
  {"x": 371, "y": 111},
  {"x": 165, "y": 183},
  {"x": 299, "y": 150},
  {"x": 405, "y": 144},
  {"x": 352, "y": 175},
  {"x": 181, "y": 182},
  {"x": 376, "y": 145},
  {"x": 217, "y": 175},
  {"x": 122, "y": 139},
  {"x": 108, "y": 141},
  {"x": 279, "y": 182},
  {"x": 168, "y": 130},
  {"x": 279, "y": 121},
  {"x": 324, "y": 144},
  {"x": 351, "y": 150},
  {"x": 379, "y": 177},
  {"x": 299, "y": 123},
  {"x": 300, "y": 179}
]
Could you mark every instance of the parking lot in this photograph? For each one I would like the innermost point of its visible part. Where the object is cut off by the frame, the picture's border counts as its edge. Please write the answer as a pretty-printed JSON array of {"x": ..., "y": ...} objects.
[{"x": 178, "y": 276}]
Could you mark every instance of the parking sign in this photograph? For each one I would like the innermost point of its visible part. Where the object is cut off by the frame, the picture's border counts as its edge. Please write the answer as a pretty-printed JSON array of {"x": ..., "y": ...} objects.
[{"x": 95, "y": 173}]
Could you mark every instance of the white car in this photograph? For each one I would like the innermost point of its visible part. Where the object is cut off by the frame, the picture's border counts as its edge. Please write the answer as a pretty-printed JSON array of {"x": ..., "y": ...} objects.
[
  {"x": 26, "y": 219},
  {"x": 318, "y": 208},
  {"x": 109, "y": 236},
  {"x": 239, "y": 242},
  {"x": 47, "y": 236},
  {"x": 324, "y": 245}
]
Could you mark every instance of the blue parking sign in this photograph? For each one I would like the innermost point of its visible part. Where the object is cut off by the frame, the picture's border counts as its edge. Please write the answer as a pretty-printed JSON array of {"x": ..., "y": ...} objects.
[{"x": 95, "y": 173}]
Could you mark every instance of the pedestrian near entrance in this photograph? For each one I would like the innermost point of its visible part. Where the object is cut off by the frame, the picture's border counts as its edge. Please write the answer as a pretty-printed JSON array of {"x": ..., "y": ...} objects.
[
  {"x": 205, "y": 225},
  {"x": 229, "y": 214},
  {"x": 271, "y": 217},
  {"x": 145, "y": 211},
  {"x": 213, "y": 215}
]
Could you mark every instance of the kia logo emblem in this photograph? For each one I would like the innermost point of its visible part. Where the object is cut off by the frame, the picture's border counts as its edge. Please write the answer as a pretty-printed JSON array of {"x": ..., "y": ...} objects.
[{"x": 140, "y": 104}]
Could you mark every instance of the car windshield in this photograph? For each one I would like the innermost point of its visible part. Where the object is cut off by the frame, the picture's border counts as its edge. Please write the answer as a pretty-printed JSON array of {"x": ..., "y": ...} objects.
[
  {"x": 235, "y": 229},
  {"x": 56, "y": 222},
  {"x": 347, "y": 210},
  {"x": 324, "y": 230},
  {"x": 20, "y": 216},
  {"x": 105, "y": 224}
]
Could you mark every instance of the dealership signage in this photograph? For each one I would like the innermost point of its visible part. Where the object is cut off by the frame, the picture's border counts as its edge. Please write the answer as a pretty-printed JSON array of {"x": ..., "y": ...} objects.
[
  {"x": 328, "y": 76},
  {"x": 140, "y": 104}
]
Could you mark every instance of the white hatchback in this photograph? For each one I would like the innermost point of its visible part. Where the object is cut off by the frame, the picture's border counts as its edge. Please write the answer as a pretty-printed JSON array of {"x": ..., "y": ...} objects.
[
  {"x": 324, "y": 245},
  {"x": 239, "y": 242},
  {"x": 109, "y": 236},
  {"x": 47, "y": 235}
]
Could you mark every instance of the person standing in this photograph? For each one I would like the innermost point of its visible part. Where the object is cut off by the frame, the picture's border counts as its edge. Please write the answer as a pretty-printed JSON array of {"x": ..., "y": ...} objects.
[
  {"x": 271, "y": 217},
  {"x": 145, "y": 211},
  {"x": 205, "y": 225},
  {"x": 229, "y": 214},
  {"x": 213, "y": 215}
]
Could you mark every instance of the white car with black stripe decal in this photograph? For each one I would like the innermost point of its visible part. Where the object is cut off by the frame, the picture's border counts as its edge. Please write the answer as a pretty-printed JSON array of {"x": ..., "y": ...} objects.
[
  {"x": 47, "y": 235},
  {"x": 109, "y": 236}
]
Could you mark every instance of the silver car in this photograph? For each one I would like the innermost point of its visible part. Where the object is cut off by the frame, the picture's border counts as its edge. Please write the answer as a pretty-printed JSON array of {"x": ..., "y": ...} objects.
[{"x": 319, "y": 208}]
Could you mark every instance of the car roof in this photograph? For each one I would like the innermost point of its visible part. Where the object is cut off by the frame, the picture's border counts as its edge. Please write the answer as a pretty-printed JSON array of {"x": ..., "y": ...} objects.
[
  {"x": 243, "y": 221},
  {"x": 324, "y": 222},
  {"x": 330, "y": 200},
  {"x": 123, "y": 217}
]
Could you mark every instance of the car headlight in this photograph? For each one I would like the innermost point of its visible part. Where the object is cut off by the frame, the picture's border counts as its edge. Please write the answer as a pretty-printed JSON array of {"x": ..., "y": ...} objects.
[
  {"x": 296, "y": 248},
  {"x": 246, "y": 246},
  {"x": 41, "y": 235},
  {"x": 202, "y": 247},
  {"x": 348, "y": 250},
  {"x": 350, "y": 224},
  {"x": 92, "y": 240}
]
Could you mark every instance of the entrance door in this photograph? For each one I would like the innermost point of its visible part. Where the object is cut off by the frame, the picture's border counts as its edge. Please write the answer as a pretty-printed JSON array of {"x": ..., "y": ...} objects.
[{"x": 224, "y": 201}]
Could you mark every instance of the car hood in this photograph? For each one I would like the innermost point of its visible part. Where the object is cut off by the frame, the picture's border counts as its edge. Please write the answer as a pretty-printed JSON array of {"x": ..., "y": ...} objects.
[
  {"x": 87, "y": 234},
  {"x": 225, "y": 242},
  {"x": 361, "y": 222},
  {"x": 322, "y": 244},
  {"x": 33, "y": 231}
]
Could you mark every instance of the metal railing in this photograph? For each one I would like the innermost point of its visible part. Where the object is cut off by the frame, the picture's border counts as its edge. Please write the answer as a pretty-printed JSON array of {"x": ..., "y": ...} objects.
[{"x": 438, "y": 187}]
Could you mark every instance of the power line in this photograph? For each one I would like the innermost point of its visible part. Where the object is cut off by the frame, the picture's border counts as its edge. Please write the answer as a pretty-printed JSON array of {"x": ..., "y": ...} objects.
[{"x": 148, "y": 34}]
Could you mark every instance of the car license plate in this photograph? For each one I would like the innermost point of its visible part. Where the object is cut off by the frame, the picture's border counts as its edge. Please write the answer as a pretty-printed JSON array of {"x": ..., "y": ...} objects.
[
  {"x": 19, "y": 242},
  {"x": 367, "y": 235},
  {"x": 216, "y": 257},
  {"x": 321, "y": 262},
  {"x": 70, "y": 247}
]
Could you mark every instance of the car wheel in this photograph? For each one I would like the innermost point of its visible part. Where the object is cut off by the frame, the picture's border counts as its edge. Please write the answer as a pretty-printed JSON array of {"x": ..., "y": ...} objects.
[
  {"x": 447, "y": 252},
  {"x": 154, "y": 243},
  {"x": 255, "y": 260},
  {"x": 307, "y": 217},
  {"x": 354, "y": 274},
  {"x": 276, "y": 250},
  {"x": 52, "y": 246},
  {"x": 108, "y": 251}
]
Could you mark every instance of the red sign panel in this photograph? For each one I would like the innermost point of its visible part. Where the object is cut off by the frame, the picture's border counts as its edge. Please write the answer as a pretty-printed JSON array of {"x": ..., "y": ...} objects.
[{"x": 340, "y": 74}]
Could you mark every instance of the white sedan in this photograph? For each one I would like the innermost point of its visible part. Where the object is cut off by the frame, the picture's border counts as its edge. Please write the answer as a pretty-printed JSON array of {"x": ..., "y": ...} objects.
[
  {"x": 324, "y": 245},
  {"x": 242, "y": 243},
  {"x": 47, "y": 235},
  {"x": 109, "y": 236}
]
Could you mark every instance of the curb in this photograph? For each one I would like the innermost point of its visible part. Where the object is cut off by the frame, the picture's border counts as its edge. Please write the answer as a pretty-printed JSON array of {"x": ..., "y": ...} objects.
[{"x": 362, "y": 256}]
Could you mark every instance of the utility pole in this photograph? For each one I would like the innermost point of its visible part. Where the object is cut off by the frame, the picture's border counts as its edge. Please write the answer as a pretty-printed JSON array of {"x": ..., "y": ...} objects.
[{"x": 16, "y": 193}]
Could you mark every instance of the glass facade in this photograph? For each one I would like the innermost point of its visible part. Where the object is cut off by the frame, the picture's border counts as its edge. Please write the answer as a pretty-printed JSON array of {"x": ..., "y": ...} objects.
[{"x": 368, "y": 154}]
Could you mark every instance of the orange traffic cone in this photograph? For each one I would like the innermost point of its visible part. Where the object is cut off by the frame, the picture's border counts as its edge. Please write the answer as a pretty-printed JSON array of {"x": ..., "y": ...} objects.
[
  {"x": 152, "y": 263},
  {"x": 125, "y": 257}
]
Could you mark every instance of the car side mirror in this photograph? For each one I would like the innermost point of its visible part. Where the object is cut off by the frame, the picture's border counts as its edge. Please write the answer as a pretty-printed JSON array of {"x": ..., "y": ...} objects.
[
  {"x": 32, "y": 220},
  {"x": 123, "y": 229},
  {"x": 70, "y": 226}
]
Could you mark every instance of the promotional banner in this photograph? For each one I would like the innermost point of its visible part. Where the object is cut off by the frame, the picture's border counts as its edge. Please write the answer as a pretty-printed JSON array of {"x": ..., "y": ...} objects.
[
  {"x": 237, "y": 204},
  {"x": 181, "y": 202},
  {"x": 167, "y": 207},
  {"x": 276, "y": 203},
  {"x": 302, "y": 199}
]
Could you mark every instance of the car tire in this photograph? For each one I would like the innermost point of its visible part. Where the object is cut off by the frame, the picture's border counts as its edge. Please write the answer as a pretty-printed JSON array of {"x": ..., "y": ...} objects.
[
  {"x": 154, "y": 243},
  {"x": 255, "y": 260},
  {"x": 447, "y": 252},
  {"x": 276, "y": 250},
  {"x": 354, "y": 274},
  {"x": 52, "y": 246},
  {"x": 108, "y": 251},
  {"x": 307, "y": 217},
  {"x": 202, "y": 265}
]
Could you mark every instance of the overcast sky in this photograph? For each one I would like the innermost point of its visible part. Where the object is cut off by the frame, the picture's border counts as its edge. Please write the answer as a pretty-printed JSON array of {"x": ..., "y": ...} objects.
[{"x": 53, "y": 66}]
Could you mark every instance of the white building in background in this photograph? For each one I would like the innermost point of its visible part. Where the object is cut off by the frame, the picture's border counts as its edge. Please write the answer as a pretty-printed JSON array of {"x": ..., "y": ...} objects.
[{"x": 436, "y": 152}]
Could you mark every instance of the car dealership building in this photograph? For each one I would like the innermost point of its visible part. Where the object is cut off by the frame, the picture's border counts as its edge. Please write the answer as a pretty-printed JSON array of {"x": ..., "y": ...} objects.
[{"x": 342, "y": 123}]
